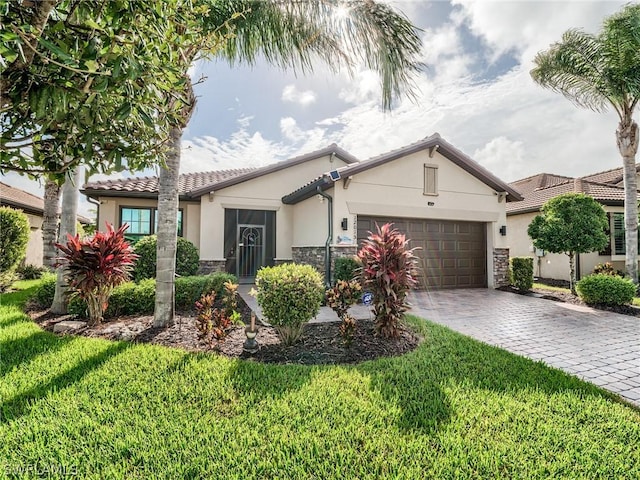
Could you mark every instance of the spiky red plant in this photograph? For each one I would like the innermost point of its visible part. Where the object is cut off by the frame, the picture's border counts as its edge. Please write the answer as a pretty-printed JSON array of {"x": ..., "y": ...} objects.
[
  {"x": 94, "y": 266},
  {"x": 388, "y": 272}
]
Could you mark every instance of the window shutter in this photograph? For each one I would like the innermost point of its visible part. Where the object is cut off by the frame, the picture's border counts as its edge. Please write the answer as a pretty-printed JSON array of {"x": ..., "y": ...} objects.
[{"x": 430, "y": 180}]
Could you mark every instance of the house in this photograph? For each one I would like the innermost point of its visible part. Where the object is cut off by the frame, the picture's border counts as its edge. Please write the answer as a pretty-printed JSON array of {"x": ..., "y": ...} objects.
[
  {"x": 33, "y": 207},
  {"x": 605, "y": 187},
  {"x": 321, "y": 205}
]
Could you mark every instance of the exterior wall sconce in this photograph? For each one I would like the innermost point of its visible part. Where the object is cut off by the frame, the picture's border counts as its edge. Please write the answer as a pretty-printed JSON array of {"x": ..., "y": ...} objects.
[
  {"x": 344, "y": 224},
  {"x": 503, "y": 230}
]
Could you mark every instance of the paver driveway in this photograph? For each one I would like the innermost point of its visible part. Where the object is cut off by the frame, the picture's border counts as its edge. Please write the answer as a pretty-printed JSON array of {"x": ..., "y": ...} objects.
[{"x": 598, "y": 346}]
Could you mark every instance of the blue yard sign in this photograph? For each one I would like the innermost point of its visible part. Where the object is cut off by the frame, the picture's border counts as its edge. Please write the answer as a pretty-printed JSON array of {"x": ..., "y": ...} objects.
[{"x": 367, "y": 298}]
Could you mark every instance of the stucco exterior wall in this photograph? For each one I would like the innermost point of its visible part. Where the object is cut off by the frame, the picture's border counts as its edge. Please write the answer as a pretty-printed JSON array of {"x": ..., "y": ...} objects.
[
  {"x": 396, "y": 189},
  {"x": 109, "y": 211},
  {"x": 34, "y": 245},
  {"x": 263, "y": 193}
]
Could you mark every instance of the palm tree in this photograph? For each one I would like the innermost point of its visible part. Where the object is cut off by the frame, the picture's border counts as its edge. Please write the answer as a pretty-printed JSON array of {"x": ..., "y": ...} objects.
[
  {"x": 288, "y": 34},
  {"x": 597, "y": 72}
]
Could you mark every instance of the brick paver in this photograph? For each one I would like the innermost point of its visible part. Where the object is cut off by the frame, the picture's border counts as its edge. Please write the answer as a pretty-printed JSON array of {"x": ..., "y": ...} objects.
[{"x": 600, "y": 347}]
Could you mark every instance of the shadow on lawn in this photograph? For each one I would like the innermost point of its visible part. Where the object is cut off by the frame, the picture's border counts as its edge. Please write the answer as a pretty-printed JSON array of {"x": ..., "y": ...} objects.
[
  {"x": 268, "y": 380},
  {"x": 19, "y": 405},
  {"x": 18, "y": 351}
]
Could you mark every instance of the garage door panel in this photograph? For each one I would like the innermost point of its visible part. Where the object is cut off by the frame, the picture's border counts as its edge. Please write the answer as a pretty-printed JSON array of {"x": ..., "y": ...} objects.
[{"x": 452, "y": 254}]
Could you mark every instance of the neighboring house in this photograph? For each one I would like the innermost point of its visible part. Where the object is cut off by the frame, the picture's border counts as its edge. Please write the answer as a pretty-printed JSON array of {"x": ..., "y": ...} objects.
[
  {"x": 33, "y": 207},
  {"x": 605, "y": 187},
  {"x": 318, "y": 206}
]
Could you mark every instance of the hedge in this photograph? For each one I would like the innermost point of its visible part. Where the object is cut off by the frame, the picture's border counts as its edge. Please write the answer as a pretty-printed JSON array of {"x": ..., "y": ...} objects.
[
  {"x": 521, "y": 273},
  {"x": 187, "y": 258},
  {"x": 606, "y": 289}
]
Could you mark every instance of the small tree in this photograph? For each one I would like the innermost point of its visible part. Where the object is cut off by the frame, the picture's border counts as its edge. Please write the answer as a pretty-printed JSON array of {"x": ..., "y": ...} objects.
[
  {"x": 14, "y": 236},
  {"x": 571, "y": 223},
  {"x": 94, "y": 266},
  {"x": 389, "y": 272}
]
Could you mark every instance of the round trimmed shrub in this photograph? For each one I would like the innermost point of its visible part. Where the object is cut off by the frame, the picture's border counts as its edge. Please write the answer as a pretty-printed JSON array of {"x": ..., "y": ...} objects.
[
  {"x": 187, "y": 258},
  {"x": 606, "y": 290},
  {"x": 43, "y": 295},
  {"x": 345, "y": 269},
  {"x": 289, "y": 295},
  {"x": 14, "y": 225}
]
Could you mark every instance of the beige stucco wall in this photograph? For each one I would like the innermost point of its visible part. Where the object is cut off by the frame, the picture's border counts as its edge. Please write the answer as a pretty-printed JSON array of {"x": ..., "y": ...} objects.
[
  {"x": 553, "y": 265},
  {"x": 396, "y": 189},
  {"x": 109, "y": 211},
  {"x": 263, "y": 193},
  {"x": 34, "y": 246}
]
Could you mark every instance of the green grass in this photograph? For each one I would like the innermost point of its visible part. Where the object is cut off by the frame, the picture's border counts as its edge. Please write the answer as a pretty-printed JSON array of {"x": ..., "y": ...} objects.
[{"x": 454, "y": 408}]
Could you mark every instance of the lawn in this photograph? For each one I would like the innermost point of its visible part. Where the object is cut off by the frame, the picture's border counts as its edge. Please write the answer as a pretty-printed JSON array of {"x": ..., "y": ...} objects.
[{"x": 454, "y": 408}]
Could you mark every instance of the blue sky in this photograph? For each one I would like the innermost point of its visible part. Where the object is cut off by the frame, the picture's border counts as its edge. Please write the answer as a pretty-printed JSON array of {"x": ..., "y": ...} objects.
[{"x": 476, "y": 92}]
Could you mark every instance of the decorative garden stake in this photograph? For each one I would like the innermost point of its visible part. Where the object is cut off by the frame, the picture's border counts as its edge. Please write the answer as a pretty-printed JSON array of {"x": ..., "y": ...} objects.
[{"x": 251, "y": 345}]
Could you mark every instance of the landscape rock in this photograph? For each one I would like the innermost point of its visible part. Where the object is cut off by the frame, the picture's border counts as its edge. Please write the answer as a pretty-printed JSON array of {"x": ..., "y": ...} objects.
[{"x": 68, "y": 326}]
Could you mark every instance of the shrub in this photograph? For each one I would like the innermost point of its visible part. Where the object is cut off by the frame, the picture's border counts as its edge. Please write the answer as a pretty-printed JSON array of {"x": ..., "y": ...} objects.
[
  {"x": 94, "y": 266},
  {"x": 606, "y": 269},
  {"x": 190, "y": 289},
  {"x": 290, "y": 295},
  {"x": 214, "y": 323},
  {"x": 389, "y": 272},
  {"x": 345, "y": 269},
  {"x": 521, "y": 270},
  {"x": 14, "y": 236},
  {"x": 340, "y": 297},
  {"x": 606, "y": 290},
  {"x": 187, "y": 258},
  {"x": 43, "y": 296},
  {"x": 31, "y": 272}
]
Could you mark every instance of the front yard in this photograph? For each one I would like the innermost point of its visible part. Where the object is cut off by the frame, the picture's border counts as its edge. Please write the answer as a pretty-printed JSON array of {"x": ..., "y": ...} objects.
[{"x": 453, "y": 408}]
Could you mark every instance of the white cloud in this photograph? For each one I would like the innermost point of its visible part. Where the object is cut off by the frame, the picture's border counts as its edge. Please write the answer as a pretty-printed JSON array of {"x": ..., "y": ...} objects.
[
  {"x": 291, "y": 94},
  {"x": 502, "y": 156}
]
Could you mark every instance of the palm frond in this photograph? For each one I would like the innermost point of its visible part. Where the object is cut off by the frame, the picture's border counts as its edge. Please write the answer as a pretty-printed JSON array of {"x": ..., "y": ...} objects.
[{"x": 295, "y": 34}]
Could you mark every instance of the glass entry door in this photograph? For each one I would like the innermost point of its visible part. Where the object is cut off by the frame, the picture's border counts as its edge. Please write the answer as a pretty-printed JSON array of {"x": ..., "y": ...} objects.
[{"x": 250, "y": 252}]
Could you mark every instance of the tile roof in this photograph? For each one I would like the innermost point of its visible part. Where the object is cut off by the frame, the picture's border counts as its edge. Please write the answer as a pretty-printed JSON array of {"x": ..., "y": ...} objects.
[
  {"x": 15, "y": 197},
  {"x": 187, "y": 182},
  {"x": 541, "y": 180},
  {"x": 535, "y": 198}
]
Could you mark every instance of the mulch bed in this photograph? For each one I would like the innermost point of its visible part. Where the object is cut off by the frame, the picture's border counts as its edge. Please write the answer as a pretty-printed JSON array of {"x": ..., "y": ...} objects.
[
  {"x": 568, "y": 297},
  {"x": 320, "y": 343}
]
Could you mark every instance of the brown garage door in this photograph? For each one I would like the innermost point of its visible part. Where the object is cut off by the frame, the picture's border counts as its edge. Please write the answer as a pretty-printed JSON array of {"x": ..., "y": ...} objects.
[{"x": 452, "y": 254}]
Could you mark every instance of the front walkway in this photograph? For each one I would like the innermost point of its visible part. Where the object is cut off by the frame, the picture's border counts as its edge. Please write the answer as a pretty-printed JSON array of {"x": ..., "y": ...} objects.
[{"x": 600, "y": 347}]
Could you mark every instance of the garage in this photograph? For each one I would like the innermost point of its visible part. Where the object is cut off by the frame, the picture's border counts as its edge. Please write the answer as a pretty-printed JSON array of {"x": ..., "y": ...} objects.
[{"x": 452, "y": 254}]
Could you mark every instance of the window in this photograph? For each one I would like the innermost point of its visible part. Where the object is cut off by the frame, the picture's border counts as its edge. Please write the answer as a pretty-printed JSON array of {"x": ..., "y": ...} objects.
[
  {"x": 618, "y": 237},
  {"x": 430, "y": 180},
  {"x": 143, "y": 221}
]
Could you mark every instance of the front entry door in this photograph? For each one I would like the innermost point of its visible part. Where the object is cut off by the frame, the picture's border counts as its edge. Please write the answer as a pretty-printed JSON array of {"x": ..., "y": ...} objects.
[{"x": 250, "y": 251}]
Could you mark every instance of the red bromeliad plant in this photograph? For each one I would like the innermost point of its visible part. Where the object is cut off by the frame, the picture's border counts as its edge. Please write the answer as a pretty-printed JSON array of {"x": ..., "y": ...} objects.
[
  {"x": 388, "y": 272},
  {"x": 95, "y": 266}
]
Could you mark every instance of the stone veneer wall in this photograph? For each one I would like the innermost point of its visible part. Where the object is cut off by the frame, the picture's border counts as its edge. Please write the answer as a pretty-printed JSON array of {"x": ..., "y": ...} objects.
[
  {"x": 500, "y": 267},
  {"x": 210, "y": 266},
  {"x": 314, "y": 256}
]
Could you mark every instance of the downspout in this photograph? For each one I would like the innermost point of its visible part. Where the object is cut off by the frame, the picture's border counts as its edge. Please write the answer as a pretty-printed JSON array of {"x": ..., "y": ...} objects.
[
  {"x": 97, "y": 204},
  {"x": 327, "y": 245}
]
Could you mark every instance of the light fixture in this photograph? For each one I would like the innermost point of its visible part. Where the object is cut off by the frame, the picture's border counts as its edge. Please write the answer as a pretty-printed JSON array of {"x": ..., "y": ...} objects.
[
  {"x": 503, "y": 230},
  {"x": 344, "y": 224}
]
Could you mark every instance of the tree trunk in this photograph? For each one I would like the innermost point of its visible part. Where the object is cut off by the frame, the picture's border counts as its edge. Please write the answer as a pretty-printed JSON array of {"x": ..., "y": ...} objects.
[
  {"x": 168, "y": 217},
  {"x": 572, "y": 272},
  {"x": 50, "y": 223},
  {"x": 167, "y": 232},
  {"x": 70, "y": 193},
  {"x": 627, "y": 138}
]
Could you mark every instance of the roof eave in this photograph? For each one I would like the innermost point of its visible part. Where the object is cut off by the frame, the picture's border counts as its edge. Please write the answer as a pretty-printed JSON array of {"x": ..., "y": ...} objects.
[
  {"x": 307, "y": 191},
  {"x": 95, "y": 194}
]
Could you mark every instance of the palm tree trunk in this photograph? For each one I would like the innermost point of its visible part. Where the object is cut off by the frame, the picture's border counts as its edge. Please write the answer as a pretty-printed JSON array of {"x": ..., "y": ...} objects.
[
  {"x": 168, "y": 216},
  {"x": 627, "y": 137},
  {"x": 70, "y": 193},
  {"x": 50, "y": 223},
  {"x": 167, "y": 232}
]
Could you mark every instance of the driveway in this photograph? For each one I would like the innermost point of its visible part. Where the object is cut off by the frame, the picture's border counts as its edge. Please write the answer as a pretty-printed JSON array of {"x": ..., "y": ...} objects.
[{"x": 598, "y": 346}]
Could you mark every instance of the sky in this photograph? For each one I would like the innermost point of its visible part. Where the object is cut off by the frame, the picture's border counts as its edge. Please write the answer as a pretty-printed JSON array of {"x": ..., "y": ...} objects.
[{"x": 475, "y": 91}]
